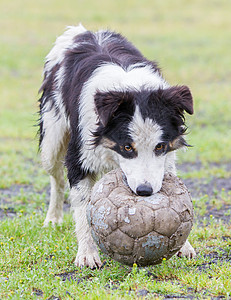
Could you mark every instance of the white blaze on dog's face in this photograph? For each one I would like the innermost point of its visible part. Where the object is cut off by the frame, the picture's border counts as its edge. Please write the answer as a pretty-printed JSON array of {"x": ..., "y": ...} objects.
[
  {"x": 145, "y": 171},
  {"x": 143, "y": 128}
]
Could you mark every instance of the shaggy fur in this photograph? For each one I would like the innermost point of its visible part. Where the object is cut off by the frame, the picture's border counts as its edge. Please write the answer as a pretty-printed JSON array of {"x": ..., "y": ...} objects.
[{"x": 104, "y": 105}]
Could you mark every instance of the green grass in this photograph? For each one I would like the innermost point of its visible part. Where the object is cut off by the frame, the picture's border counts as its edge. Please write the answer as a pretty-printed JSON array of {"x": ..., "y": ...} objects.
[
  {"x": 37, "y": 260},
  {"x": 191, "y": 42}
]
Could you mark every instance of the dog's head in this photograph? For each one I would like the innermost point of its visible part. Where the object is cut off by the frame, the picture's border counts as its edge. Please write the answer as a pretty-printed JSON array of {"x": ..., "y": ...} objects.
[{"x": 143, "y": 127}]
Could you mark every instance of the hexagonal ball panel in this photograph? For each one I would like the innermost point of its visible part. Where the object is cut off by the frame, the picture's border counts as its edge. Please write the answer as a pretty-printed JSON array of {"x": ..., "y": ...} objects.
[
  {"x": 150, "y": 249},
  {"x": 120, "y": 242},
  {"x": 103, "y": 187},
  {"x": 135, "y": 220},
  {"x": 166, "y": 221},
  {"x": 102, "y": 217}
]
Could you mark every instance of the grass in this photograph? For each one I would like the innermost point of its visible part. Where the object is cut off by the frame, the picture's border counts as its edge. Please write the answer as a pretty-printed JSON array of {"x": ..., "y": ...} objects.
[
  {"x": 191, "y": 41},
  {"x": 41, "y": 262}
]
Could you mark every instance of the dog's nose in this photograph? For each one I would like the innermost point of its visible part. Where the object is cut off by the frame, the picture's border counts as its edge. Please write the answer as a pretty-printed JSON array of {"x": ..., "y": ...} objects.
[{"x": 144, "y": 190}]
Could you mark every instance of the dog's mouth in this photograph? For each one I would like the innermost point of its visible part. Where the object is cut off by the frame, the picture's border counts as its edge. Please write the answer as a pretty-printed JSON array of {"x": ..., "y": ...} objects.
[{"x": 125, "y": 181}]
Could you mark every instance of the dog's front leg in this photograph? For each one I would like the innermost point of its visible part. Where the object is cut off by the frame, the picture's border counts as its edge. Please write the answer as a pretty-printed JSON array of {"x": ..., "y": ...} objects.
[{"x": 87, "y": 254}]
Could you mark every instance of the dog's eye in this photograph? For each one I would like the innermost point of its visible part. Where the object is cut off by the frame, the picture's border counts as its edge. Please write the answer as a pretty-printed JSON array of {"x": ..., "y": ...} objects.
[
  {"x": 128, "y": 148},
  {"x": 160, "y": 147}
]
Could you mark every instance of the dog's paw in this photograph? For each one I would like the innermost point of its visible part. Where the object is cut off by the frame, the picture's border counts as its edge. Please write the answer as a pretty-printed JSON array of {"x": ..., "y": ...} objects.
[
  {"x": 89, "y": 259},
  {"x": 187, "y": 251}
]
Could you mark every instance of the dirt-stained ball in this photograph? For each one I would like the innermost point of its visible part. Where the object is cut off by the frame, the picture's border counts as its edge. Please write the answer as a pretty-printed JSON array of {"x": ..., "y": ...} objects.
[{"x": 135, "y": 229}]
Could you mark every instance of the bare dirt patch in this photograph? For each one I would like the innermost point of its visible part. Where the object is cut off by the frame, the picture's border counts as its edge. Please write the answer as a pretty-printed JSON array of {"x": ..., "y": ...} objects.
[{"x": 211, "y": 187}]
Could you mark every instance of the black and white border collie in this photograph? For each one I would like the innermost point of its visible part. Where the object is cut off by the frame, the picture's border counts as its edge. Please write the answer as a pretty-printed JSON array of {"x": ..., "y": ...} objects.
[{"x": 103, "y": 106}]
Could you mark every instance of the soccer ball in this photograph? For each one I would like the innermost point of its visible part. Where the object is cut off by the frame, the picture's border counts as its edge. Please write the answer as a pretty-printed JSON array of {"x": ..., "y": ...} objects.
[{"x": 136, "y": 229}]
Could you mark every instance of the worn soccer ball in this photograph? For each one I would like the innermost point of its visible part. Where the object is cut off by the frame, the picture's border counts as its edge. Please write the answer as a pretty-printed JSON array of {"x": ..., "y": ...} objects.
[{"x": 136, "y": 229}]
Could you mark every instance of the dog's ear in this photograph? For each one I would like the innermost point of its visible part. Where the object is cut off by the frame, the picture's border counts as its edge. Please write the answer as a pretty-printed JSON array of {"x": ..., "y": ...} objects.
[
  {"x": 108, "y": 103},
  {"x": 180, "y": 97}
]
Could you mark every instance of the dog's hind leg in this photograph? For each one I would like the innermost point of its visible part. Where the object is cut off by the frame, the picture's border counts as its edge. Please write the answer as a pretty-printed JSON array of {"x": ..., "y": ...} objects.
[{"x": 53, "y": 148}]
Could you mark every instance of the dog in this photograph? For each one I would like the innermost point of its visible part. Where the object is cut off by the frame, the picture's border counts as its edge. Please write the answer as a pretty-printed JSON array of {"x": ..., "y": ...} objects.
[{"x": 104, "y": 105}]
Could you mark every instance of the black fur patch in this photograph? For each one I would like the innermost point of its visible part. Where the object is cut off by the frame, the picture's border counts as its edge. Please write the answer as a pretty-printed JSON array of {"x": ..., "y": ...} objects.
[
  {"x": 164, "y": 107},
  {"x": 115, "y": 110},
  {"x": 73, "y": 163}
]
